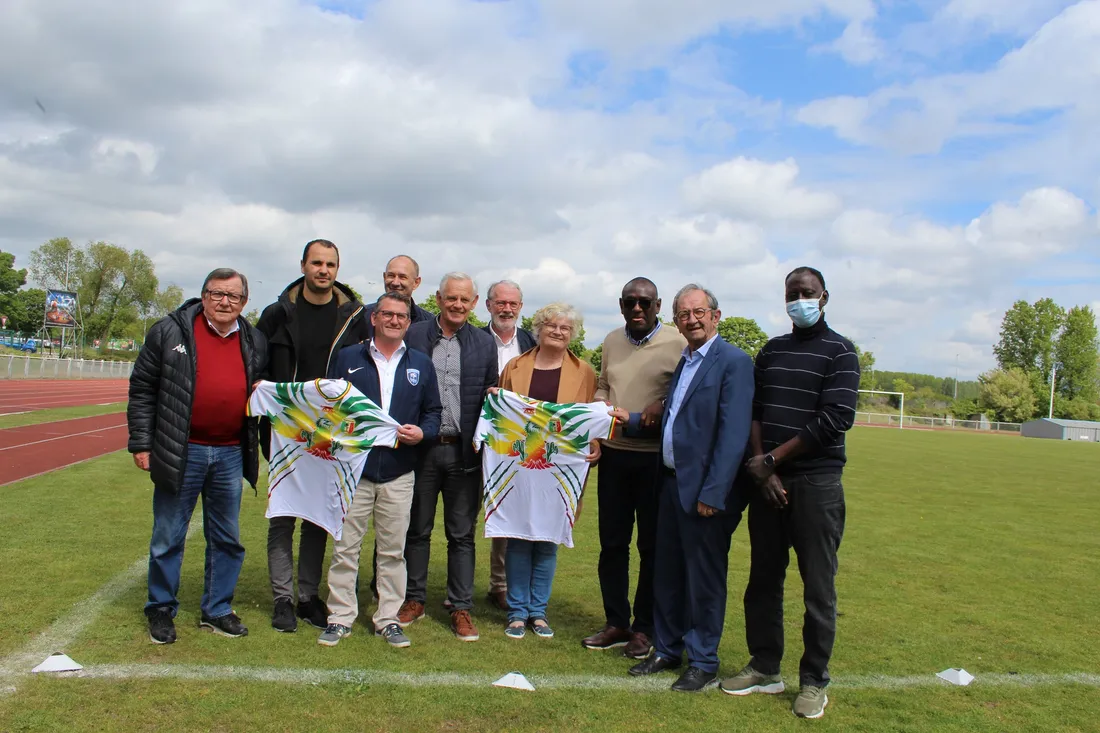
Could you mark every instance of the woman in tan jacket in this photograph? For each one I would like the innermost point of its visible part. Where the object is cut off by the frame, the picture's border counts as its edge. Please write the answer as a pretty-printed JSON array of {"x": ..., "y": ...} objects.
[{"x": 550, "y": 373}]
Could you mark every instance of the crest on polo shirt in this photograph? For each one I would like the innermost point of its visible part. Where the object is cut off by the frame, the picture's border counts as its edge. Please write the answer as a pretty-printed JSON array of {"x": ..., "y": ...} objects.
[{"x": 413, "y": 376}]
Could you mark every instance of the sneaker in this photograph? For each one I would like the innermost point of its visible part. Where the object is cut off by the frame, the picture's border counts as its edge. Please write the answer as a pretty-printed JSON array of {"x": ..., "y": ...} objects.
[
  {"x": 410, "y": 611},
  {"x": 282, "y": 619},
  {"x": 515, "y": 632},
  {"x": 314, "y": 612},
  {"x": 748, "y": 681},
  {"x": 543, "y": 629},
  {"x": 162, "y": 630},
  {"x": 811, "y": 702},
  {"x": 608, "y": 637},
  {"x": 228, "y": 625},
  {"x": 333, "y": 634},
  {"x": 463, "y": 626},
  {"x": 638, "y": 647},
  {"x": 393, "y": 636}
]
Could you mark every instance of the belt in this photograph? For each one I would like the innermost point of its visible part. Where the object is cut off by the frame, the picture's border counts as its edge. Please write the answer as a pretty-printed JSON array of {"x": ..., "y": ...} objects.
[{"x": 449, "y": 439}]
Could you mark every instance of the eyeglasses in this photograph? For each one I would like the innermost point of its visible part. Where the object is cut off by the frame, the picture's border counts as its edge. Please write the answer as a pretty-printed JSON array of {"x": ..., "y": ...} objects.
[
  {"x": 217, "y": 295},
  {"x": 553, "y": 327},
  {"x": 699, "y": 313},
  {"x": 513, "y": 304},
  {"x": 392, "y": 315},
  {"x": 629, "y": 303}
]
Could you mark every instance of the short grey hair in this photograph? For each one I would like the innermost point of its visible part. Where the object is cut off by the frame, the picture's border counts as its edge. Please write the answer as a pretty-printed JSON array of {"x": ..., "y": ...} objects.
[
  {"x": 509, "y": 283},
  {"x": 549, "y": 312},
  {"x": 460, "y": 276},
  {"x": 712, "y": 302},
  {"x": 226, "y": 273}
]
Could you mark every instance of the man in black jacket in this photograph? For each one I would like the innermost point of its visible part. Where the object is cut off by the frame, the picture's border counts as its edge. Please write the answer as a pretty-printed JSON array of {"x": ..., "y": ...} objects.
[
  {"x": 465, "y": 360},
  {"x": 504, "y": 301},
  {"x": 402, "y": 275},
  {"x": 311, "y": 321},
  {"x": 188, "y": 429},
  {"x": 402, "y": 382}
]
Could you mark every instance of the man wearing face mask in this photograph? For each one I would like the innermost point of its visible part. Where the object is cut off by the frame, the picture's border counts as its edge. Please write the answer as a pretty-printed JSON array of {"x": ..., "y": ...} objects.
[{"x": 806, "y": 389}]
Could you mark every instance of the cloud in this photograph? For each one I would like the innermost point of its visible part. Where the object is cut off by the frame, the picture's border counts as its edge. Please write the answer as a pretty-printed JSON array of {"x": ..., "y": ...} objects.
[{"x": 758, "y": 191}]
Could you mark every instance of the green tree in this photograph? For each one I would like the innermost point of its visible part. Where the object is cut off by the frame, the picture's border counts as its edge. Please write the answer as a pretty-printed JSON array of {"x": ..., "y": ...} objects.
[
  {"x": 10, "y": 282},
  {"x": 900, "y": 385},
  {"x": 55, "y": 263},
  {"x": 1078, "y": 351},
  {"x": 1029, "y": 333},
  {"x": 595, "y": 358},
  {"x": 27, "y": 310},
  {"x": 743, "y": 332},
  {"x": 1007, "y": 394},
  {"x": 866, "y": 368}
]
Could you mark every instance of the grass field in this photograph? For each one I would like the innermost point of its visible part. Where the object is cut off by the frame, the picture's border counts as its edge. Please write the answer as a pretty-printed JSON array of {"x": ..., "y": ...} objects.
[
  {"x": 961, "y": 550},
  {"x": 53, "y": 414}
]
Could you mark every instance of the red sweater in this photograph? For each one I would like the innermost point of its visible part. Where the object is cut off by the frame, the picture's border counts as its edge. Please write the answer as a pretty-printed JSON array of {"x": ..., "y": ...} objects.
[{"x": 221, "y": 388}]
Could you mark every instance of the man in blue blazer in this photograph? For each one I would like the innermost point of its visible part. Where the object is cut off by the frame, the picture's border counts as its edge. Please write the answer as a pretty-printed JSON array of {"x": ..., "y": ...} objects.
[
  {"x": 403, "y": 383},
  {"x": 704, "y": 432}
]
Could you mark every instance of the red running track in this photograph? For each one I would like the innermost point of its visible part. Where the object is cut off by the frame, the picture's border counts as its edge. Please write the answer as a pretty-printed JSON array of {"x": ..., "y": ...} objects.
[
  {"x": 25, "y": 395},
  {"x": 36, "y": 449}
]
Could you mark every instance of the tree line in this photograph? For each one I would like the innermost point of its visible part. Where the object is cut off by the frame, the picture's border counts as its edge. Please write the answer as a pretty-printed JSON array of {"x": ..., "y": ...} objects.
[
  {"x": 118, "y": 292},
  {"x": 1042, "y": 344}
]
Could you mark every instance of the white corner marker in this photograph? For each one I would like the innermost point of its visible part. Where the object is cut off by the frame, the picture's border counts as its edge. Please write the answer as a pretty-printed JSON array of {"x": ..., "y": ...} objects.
[
  {"x": 956, "y": 676},
  {"x": 516, "y": 681},
  {"x": 58, "y": 662}
]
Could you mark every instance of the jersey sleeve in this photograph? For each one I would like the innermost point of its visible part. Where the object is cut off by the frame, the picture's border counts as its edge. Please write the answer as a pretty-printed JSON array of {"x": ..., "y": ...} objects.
[{"x": 260, "y": 402}]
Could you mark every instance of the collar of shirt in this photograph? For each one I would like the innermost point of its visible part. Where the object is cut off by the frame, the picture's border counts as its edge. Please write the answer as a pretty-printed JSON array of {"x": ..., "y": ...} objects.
[
  {"x": 699, "y": 353},
  {"x": 499, "y": 340},
  {"x": 442, "y": 333},
  {"x": 644, "y": 339},
  {"x": 236, "y": 327},
  {"x": 376, "y": 354}
]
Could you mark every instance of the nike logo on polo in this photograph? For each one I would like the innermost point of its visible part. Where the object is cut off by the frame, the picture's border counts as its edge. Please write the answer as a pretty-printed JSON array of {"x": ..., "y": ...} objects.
[{"x": 353, "y": 371}]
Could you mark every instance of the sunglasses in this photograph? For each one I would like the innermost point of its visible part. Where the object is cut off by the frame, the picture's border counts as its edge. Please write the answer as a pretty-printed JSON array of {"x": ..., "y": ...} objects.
[{"x": 629, "y": 303}]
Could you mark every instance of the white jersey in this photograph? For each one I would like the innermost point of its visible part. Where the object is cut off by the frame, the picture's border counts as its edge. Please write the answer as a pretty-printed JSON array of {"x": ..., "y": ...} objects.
[
  {"x": 533, "y": 463},
  {"x": 321, "y": 433}
]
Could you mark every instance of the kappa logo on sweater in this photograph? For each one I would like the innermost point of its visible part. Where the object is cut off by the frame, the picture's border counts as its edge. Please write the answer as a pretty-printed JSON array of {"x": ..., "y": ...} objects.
[{"x": 180, "y": 348}]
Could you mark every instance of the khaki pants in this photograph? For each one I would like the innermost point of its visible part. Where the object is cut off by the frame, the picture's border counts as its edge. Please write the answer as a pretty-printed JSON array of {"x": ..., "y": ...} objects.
[
  {"x": 498, "y": 579},
  {"x": 391, "y": 503}
]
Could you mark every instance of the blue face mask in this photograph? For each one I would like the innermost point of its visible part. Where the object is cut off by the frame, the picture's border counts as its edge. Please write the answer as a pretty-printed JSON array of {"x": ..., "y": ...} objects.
[{"x": 804, "y": 313}]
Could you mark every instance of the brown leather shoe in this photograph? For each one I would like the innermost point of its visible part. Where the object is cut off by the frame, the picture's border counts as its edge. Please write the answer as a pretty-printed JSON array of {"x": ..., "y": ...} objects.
[
  {"x": 638, "y": 647},
  {"x": 410, "y": 611},
  {"x": 499, "y": 599},
  {"x": 463, "y": 626},
  {"x": 608, "y": 637}
]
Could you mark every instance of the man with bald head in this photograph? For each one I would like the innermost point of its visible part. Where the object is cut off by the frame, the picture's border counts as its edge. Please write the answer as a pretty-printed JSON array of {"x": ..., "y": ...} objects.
[
  {"x": 402, "y": 275},
  {"x": 638, "y": 363}
]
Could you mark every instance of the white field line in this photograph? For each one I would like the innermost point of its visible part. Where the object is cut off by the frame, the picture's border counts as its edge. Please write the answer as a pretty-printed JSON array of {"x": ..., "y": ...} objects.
[
  {"x": 69, "y": 627},
  {"x": 307, "y": 676},
  {"x": 62, "y": 437}
]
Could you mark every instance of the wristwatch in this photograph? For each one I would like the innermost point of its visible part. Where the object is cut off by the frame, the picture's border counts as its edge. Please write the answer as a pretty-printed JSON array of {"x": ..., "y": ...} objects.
[{"x": 769, "y": 460}]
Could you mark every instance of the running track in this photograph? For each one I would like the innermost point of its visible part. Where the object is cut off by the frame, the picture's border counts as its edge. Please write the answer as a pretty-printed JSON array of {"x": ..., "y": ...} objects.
[
  {"x": 35, "y": 449},
  {"x": 24, "y": 395}
]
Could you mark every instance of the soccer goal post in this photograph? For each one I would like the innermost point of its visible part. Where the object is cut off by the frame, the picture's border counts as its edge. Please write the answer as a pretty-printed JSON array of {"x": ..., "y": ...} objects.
[{"x": 901, "y": 403}]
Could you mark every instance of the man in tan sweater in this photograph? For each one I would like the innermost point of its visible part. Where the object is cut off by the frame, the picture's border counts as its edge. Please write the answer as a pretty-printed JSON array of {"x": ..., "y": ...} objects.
[{"x": 638, "y": 362}]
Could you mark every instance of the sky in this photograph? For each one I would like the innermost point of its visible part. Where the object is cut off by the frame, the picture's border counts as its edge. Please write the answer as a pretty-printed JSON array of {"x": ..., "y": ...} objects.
[{"x": 937, "y": 160}]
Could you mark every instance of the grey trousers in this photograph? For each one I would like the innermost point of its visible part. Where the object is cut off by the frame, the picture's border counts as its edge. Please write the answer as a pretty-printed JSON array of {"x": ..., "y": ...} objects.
[{"x": 280, "y": 558}]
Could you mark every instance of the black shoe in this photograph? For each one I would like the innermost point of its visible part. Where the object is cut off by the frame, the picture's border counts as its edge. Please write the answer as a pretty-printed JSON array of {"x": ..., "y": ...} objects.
[
  {"x": 314, "y": 612},
  {"x": 694, "y": 680},
  {"x": 653, "y": 664},
  {"x": 283, "y": 617},
  {"x": 227, "y": 625},
  {"x": 162, "y": 630}
]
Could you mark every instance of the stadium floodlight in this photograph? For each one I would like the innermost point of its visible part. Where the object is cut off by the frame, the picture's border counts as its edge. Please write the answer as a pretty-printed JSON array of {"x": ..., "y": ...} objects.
[{"x": 901, "y": 403}]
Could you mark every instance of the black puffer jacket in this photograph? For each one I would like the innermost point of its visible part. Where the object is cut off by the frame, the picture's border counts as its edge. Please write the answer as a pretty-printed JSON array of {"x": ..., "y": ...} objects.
[
  {"x": 479, "y": 373},
  {"x": 277, "y": 324},
  {"x": 162, "y": 390}
]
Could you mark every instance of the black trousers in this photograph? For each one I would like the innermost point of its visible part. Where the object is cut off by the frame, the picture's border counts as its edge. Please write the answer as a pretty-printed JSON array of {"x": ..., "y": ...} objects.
[
  {"x": 628, "y": 486},
  {"x": 442, "y": 472},
  {"x": 813, "y": 524}
]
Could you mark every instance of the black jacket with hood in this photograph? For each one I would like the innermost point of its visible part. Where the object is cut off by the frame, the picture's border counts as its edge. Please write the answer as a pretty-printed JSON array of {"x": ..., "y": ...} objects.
[{"x": 162, "y": 392}]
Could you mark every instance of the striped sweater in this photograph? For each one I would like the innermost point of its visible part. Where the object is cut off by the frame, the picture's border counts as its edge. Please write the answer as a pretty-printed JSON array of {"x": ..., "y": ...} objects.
[{"x": 807, "y": 382}]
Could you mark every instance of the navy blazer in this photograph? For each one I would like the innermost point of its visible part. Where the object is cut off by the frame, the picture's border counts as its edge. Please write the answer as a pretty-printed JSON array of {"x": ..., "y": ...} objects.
[
  {"x": 415, "y": 401},
  {"x": 711, "y": 431},
  {"x": 526, "y": 340}
]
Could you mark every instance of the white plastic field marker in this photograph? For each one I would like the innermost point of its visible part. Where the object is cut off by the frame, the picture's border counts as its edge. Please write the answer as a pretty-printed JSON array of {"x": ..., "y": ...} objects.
[
  {"x": 956, "y": 676},
  {"x": 57, "y": 662},
  {"x": 515, "y": 681}
]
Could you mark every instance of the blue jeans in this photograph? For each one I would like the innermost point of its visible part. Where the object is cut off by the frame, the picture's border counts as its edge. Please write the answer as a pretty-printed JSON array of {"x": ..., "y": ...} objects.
[
  {"x": 530, "y": 569},
  {"x": 215, "y": 472}
]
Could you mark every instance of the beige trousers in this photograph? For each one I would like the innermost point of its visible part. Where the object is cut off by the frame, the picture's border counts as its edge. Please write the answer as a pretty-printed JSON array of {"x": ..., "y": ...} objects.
[
  {"x": 391, "y": 504},
  {"x": 498, "y": 580}
]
